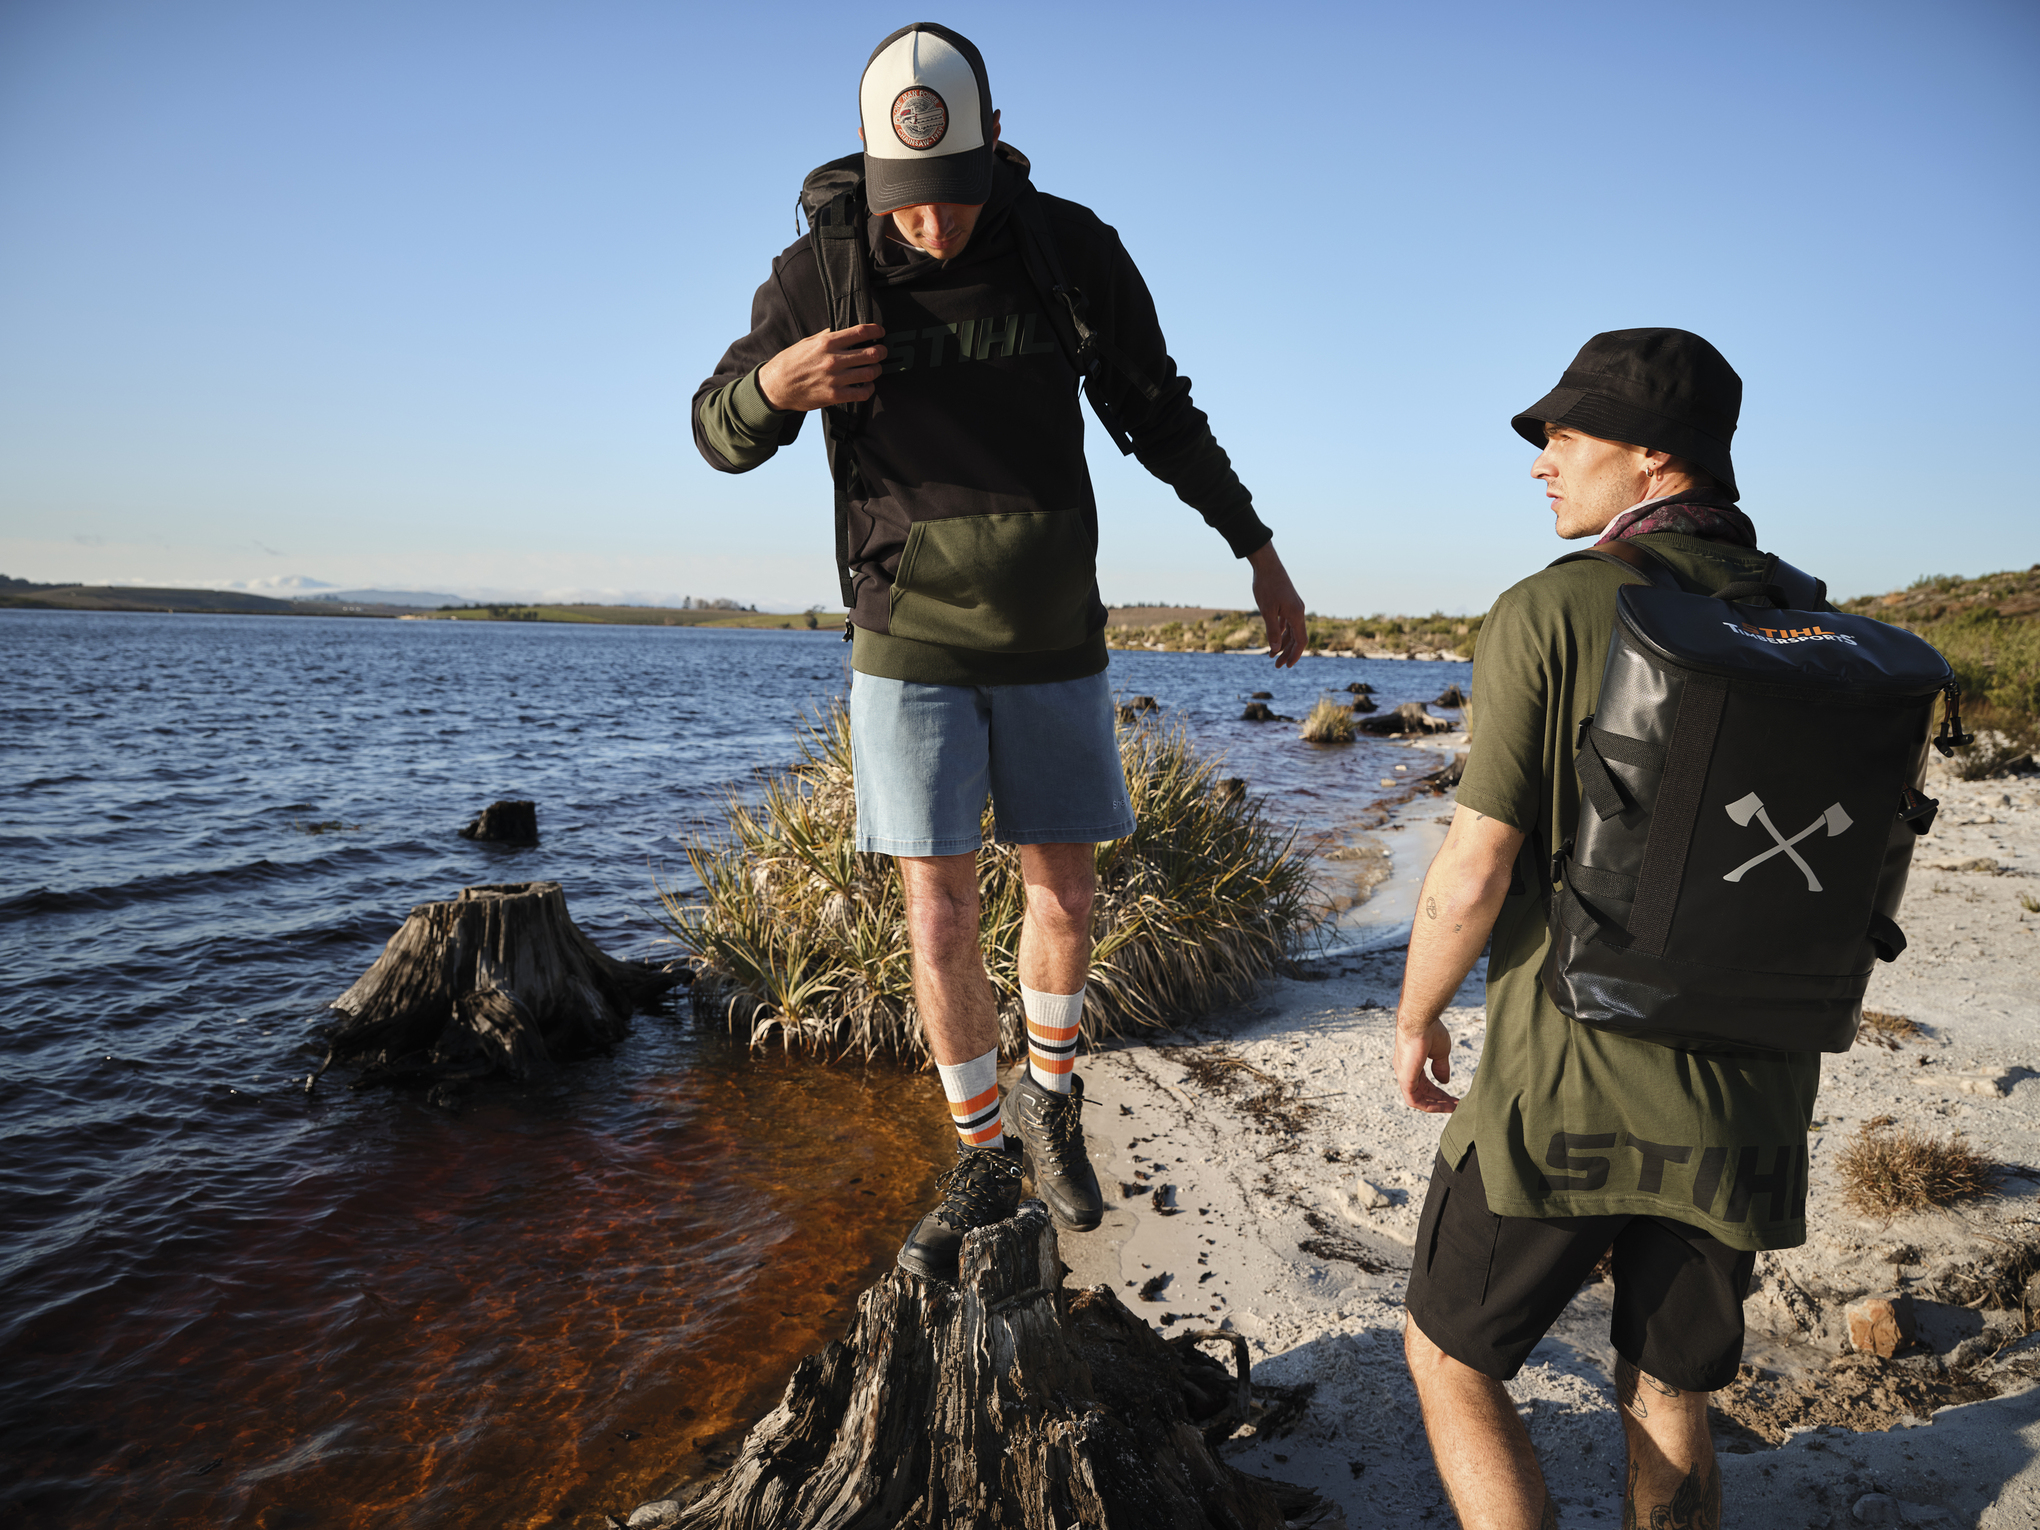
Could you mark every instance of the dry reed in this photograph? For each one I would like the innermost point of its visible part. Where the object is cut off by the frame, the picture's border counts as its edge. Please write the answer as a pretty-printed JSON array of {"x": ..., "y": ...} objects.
[
  {"x": 1887, "y": 1172},
  {"x": 798, "y": 936},
  {"x": 1329, "y": 723}
]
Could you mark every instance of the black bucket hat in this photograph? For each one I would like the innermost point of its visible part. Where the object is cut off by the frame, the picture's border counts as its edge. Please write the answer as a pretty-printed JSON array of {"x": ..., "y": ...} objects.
[{"x": 1664, "y": 389}]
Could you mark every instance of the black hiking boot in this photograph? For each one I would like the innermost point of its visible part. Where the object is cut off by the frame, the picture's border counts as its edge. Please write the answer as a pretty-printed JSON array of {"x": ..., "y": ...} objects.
[
  {"x": 983, "y": 1188},
  {"x": 1052, "y": 1148}
]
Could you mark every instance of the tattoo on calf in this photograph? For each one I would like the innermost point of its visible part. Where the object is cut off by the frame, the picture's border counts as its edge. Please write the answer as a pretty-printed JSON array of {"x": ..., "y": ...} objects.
[
  {"x": 1430, "y": 908},
  {"x": 1630, "y": 1384},
  {"x": 1695, "y": 1505}
]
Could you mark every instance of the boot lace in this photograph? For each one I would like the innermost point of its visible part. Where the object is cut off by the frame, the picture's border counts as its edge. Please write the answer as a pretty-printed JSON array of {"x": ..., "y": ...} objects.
[
  {"x": 1064, "y": 1137},
  {"x": 978, "y": 1190}
]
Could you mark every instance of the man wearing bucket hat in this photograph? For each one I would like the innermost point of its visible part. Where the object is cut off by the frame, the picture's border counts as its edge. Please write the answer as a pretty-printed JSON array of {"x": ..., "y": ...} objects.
[
  {"x": 941, "y": 314},
  {"x": 1575, "y": 1143}
]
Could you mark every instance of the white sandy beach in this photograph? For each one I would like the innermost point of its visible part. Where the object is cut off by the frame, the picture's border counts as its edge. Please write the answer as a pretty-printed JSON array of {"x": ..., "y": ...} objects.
[{"x": 1292, "y": 1220}]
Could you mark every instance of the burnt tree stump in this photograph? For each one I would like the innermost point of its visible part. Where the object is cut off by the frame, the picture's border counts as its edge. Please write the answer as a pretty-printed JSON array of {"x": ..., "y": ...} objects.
[
  {"x": 1002, "y": 1402},
  {"x": 505, "y": 823},
  {"x": 496, "y": 981},
  {"x": 1410, "y": 717},
  {"x": 1453, "y": 697}
]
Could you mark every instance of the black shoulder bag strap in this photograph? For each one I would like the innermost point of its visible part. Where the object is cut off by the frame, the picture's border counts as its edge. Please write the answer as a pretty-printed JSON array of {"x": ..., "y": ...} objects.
[
  {"x": 833, "y": 199},
  {"x": 1084, "y": 346},
  {"x": 1633, "y": 556}
]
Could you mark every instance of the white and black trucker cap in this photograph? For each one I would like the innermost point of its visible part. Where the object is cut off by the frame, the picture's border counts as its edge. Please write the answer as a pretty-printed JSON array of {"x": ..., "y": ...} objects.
[{"x": 926, "y": 109}]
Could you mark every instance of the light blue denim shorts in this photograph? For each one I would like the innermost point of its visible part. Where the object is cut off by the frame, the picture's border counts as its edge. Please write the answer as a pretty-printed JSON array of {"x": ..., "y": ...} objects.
[{"x": 927, "y": 756}]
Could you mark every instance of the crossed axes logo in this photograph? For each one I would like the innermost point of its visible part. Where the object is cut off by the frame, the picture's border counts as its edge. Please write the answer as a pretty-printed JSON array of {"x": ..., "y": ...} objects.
[{"x": 1743, "y": 809}]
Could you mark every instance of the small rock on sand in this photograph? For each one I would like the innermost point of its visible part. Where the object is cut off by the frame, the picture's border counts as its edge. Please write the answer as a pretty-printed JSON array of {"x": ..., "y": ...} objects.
[
  {"x": 1881, "y": 1325},
  {"x": 1370, "y": 1195}
]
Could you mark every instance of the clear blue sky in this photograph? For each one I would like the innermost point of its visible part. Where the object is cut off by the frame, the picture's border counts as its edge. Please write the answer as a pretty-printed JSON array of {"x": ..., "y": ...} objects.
[{"x": 417, "y": 293}]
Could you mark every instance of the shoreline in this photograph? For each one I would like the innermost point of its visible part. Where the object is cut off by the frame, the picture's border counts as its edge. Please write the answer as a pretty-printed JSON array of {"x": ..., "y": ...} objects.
[{"x": 1291, "y": 1178}]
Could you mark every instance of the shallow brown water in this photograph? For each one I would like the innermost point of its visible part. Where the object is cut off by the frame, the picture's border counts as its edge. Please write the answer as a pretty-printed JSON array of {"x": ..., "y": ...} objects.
[
  {"x": 224, "y": 1305},
  {"x": 505, "y": 1318}
]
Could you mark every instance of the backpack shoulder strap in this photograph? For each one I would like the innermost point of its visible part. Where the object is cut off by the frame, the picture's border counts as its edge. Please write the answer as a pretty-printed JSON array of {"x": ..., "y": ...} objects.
[
  {"x": 1086, "y": 348},
  {"x": 1630, "y": 555},
  {"x": 832, "y": 196},
  {"x": 1785, "y": 587}
]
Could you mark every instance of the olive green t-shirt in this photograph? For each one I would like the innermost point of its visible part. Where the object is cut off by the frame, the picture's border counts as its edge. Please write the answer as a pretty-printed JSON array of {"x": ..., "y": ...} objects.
[{"x": 1573, "y": 1121}]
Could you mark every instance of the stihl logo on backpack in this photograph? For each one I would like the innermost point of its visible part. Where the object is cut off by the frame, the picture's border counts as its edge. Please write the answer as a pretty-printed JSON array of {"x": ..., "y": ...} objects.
[
  {"x": 919, "y": 117},
  {"x": 1743, "y": 809},
  {"x": 1764, "y": 703},
  {"x": 1779, "y": 636}
]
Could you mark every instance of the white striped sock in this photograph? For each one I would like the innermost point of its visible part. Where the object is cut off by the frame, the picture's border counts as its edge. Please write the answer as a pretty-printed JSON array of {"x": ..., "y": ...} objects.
[
  {"x": 1053, "y": 1022},
  {"x": 973, "y": 1090}
]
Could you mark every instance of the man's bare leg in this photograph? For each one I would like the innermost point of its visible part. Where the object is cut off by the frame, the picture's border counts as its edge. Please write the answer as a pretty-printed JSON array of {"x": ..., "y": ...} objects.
[
  {"x": 1480, "y": 1445},
  {"x": 1674, "y": 1483},
  {"x": 1055, "y": 935},
  {"x": 951, "y": 991}
]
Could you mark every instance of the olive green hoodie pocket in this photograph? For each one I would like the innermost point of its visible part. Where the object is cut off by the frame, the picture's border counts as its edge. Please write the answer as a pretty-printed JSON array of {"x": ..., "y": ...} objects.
[{"x": 1014, "y": 583}]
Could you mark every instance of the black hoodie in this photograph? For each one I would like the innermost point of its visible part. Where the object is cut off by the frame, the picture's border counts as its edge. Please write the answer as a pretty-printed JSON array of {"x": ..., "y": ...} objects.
[{"x": 972, "y": 528}]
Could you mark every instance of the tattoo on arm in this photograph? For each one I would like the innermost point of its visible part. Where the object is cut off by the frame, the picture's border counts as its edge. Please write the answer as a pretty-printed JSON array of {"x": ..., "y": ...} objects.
[{"x": 1430, "y": 908}]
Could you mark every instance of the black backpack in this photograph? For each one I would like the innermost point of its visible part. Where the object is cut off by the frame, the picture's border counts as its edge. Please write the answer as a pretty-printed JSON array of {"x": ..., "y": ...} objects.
[
  {"x": 832, "y": 197},
  {"x": 1750, "y": 795}
]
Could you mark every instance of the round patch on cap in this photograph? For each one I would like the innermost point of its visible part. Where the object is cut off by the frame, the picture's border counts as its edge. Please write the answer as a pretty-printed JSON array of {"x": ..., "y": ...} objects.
[{"x": 919, "y": 117}]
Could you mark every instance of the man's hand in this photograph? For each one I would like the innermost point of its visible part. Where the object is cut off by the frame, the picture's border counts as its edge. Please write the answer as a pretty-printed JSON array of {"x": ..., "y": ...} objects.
[
  {"x": 1414, "y": 1047},
  {"x": 1281, "y": 607},
  {"x": 1463, "y": 891},
  {"x": 836, "y": 366}
]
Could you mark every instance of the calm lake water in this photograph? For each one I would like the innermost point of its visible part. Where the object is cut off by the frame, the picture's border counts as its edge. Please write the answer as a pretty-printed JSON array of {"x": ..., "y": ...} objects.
[{"x": 224, "y": 1304}]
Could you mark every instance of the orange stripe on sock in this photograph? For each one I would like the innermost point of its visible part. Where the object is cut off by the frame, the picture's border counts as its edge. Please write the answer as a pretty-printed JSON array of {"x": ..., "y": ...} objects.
[
  {"x": 975, "y": 1104},
  {"x": 1054, "y": 1032},
  {"x": 1052, "y": 1065},
  {"x": 990, "y": 1134}
]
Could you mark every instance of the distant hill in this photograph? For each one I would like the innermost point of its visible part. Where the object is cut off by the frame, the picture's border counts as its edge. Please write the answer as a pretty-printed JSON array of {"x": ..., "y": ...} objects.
[
  {"x": 1989, "y": 630},
  {"x": 127, "y": 597},
  {"x": 423, "y": 600}
]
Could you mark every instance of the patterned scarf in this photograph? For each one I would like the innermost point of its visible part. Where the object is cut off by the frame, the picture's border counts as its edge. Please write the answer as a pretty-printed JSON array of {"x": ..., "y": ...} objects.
[{"x": 1714, "y": 519}]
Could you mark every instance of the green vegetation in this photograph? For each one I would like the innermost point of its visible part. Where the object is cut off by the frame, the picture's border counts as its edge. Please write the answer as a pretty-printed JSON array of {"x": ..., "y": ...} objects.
[
  {"x": 1989, "y": 630},
  {"x": 1199, "y": 630},
  {"x": 1330, "y": 722},
  {"x": 799, "y": 935}
]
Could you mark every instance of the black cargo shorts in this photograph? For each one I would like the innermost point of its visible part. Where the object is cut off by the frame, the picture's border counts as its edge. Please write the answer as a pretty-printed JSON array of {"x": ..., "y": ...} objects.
[{"x": 1486, "y": 1288}]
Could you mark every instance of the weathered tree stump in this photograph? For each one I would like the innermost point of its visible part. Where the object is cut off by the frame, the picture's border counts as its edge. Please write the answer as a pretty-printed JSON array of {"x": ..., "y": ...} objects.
[
  {"x": 1444, "y": 780},
  {"x": 1410, "y": 717},
  {"x": 1001, "y": 1403},
  {"x": 1453, "y": 697},
  {"x": 1359, "y": 688},
  {"x": 1260, "y": 711},
  {"x": 505, "y": 823},
  {"x": 498, "y": 980},
  {"x": 1363, "y": 704}
]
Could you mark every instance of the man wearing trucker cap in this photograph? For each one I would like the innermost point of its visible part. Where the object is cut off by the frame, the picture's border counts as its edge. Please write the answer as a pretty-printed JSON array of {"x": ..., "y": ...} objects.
[
  {"x": 1574, "y": 1143},
  {"x": 966, "y": 539}
]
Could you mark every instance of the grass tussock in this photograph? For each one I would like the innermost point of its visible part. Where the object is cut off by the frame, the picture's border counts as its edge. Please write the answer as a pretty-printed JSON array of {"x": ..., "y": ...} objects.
[
  {"x": 1888, "y": 1171},
  {"x": 1329, "y": 723},
  {"x": 1887, "y": 1030},
  {"x": 801, "y": 938}
]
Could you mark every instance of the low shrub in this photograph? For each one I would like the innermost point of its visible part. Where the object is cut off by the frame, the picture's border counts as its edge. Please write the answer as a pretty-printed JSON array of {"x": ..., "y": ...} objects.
[
  {"x": 798, "y": 936},
  {"x": 1329, "y": 723},
  {"x": 1887, "y": 1172}
]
